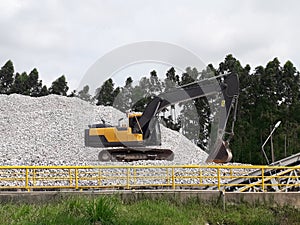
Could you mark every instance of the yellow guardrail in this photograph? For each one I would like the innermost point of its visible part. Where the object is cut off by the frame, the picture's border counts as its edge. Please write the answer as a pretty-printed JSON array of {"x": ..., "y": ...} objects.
[{"x": 210, "y": 177}]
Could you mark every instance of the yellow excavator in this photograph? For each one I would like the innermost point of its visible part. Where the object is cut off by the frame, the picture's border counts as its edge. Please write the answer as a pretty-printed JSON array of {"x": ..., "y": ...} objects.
[{"x": 134, "y": 141}]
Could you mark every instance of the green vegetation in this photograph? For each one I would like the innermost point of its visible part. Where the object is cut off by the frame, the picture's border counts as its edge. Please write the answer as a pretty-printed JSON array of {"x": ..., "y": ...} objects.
[
  {"x": 111, "y": 210},
  {"x": 29, "y": 84}
]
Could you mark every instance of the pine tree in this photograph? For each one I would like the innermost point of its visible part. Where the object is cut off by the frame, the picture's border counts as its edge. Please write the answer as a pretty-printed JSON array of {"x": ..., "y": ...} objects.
[
  {"x": 172, "y": 79},
  {"x": 44, "y": 91},
  {"x": 191, "y": 113},
  {"x": 123, "y": 101},
  {"x": 230, "y": 64},
  {"x": 6, "y": 77},
  {"x": 155, "y": 84},
  {"x": 34, "y": 84},
  {"x": 105, "y": 94},
  {"x": 141, "y": 95},
  {"x": 59, "y": 86},
  {"x": 288, "y": 91},
  {"x": 84, "y": 94},
  {"x": 20, "y": 85},
  {"x": 171, "y": 82}
]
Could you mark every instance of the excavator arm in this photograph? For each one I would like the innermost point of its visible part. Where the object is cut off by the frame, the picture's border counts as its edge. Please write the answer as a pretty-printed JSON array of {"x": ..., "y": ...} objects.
[{"x": 228, "y": 86}]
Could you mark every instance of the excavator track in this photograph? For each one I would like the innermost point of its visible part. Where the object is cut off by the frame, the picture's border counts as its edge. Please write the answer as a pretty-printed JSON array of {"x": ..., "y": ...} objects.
[{"x": 134, "y": 154}]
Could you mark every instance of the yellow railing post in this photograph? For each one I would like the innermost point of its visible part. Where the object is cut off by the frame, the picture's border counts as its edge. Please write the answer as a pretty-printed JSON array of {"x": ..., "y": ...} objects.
[
  {"x": 99, "y": 177},
  {"x": 128, "y": 180},
  {"x": 168, "y": 178},
  {"x": 200, "y": 177},
  {"x": 70, "y": 178},
  {"x": 76, "y": 178},
  {"x": 173, "y": 178},
  {"x": 27, "y": 179},
  {"x": 262, "y": 180},
  {"x": 33, "y": 178},
  {"x": 134, "y": 176},
  {"x": 219, "y": 178}
]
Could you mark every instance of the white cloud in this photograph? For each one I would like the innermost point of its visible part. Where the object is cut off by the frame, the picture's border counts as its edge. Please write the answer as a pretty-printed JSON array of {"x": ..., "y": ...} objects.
[{"x": 66, "y": 37}]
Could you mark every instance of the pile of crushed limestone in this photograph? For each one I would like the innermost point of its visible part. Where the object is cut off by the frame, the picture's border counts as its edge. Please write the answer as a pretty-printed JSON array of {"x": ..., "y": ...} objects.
[{"x": 50, "y": 131}]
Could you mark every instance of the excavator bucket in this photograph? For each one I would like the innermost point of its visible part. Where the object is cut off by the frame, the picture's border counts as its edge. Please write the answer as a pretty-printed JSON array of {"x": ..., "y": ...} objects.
[{"x": 221, "y": 153}]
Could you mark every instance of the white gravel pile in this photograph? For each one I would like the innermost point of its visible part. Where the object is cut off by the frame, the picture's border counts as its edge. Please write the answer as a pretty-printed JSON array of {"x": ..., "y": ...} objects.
[{"x": 50, "y": 131}]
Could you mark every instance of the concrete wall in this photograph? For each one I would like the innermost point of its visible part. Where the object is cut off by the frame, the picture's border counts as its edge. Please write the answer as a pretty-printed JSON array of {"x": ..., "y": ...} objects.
[{"x": 289, "y": 198}]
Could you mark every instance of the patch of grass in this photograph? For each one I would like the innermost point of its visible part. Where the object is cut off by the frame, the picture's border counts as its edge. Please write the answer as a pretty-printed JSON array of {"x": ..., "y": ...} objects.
[
  {"x": 102, "y": 210},
  {"x": 151, "y": 212},
  {"x": 112, "y": 211}
]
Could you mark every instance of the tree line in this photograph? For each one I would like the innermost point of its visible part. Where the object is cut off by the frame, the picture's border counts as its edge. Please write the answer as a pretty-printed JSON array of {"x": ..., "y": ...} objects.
[
  {"x": 268, "y": 94},
  {"x": 29, "y": 84}
]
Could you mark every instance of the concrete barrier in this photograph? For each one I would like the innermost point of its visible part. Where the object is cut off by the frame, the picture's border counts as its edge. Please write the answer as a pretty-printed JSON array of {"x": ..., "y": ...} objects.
[{"x": 290, "y": 198}]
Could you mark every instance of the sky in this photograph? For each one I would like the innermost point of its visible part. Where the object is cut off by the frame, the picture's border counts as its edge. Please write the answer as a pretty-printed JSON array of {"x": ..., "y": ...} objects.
[{"x": 68, "y": 36}]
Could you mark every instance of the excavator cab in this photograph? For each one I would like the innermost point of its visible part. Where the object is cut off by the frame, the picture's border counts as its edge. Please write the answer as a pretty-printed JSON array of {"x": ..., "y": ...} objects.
[
  {"x": 131, "y": 138},
  {"x": 103, "y": 135},
  {"x": 133, "y": 119}
]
